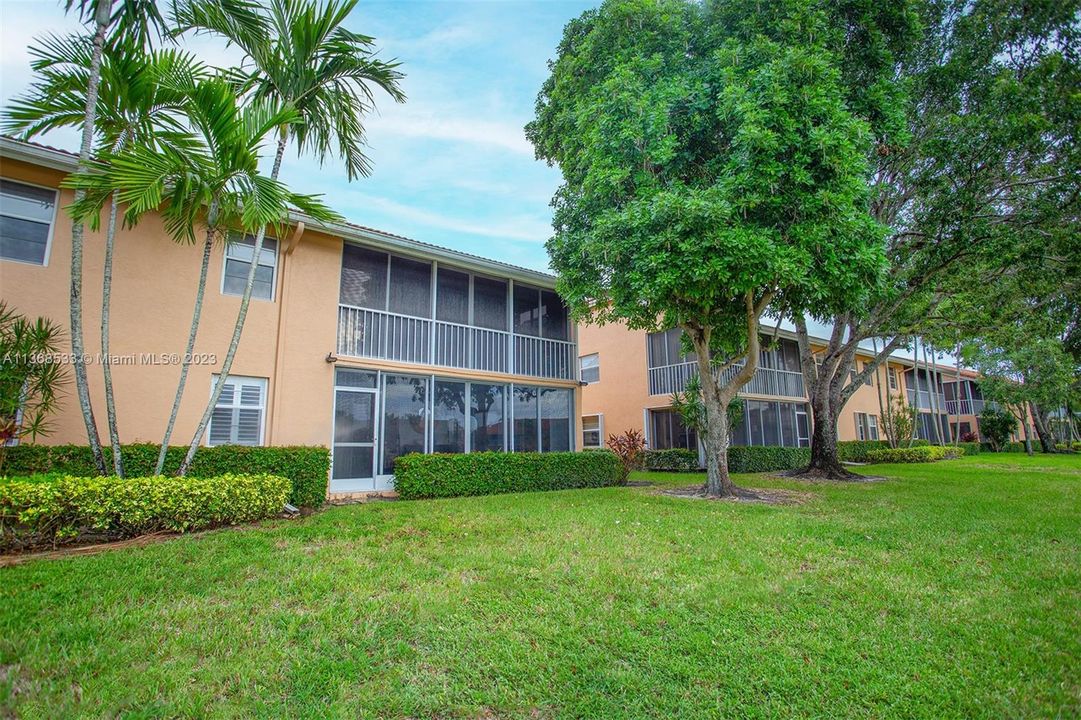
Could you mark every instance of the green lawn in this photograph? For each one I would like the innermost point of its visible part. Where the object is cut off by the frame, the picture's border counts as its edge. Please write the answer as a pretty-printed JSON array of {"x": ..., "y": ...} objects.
[{"x": 950, "y": 590}]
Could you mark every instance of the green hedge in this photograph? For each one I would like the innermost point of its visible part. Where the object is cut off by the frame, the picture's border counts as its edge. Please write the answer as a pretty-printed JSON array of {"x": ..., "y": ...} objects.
[
  {"x": 307, "y": 467},
  {"x": 439, "y": 475},
  {"x": 770, "y": 458},
  {"x": 917, "y": 454},
  {"x": 970, "y": 448},
  {"x": 673, "y": 459},
  {"x": 35, "y": 514}
]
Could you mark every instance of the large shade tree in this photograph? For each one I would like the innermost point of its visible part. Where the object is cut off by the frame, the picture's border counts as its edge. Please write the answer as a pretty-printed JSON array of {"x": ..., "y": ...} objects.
[
  {"x": 981, "y": 181},
  {"x": 711, "y": 170}
]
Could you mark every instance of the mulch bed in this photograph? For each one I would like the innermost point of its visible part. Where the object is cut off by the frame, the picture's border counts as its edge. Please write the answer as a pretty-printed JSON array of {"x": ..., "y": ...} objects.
[
  {"x": 814, "y": 479},
  {"x": 771, "y": 496}
]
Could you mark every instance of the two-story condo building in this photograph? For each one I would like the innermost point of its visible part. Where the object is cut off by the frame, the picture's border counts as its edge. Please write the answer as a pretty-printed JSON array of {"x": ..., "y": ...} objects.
[
  {"x": 629, "y": 377},
  {"x": 369, "y": 343}
]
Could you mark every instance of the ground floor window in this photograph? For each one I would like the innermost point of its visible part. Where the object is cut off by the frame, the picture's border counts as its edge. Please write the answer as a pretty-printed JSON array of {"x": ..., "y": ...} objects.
[
  {"x": 667, "y": 431},
  {"x": 239, "y": 414},
  {"x": 770, "y": 422},
  {"x": 592, "y": 431},
  {"x": 380, "y": 416},
  {"x": 866, "y": 426}
]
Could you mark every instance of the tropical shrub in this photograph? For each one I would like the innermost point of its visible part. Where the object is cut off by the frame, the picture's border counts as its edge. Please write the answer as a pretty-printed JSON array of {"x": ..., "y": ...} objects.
[
  {"x": 307, "y": 467},
  {"x": 629, "y": 447},
  {"x": 917, "y": 454},
  {"x": 439, "y": 475},
  {"x": 52, "y": 512},
  {"x": 996, "y": 425},
  {"x": 672, "y": 459}
]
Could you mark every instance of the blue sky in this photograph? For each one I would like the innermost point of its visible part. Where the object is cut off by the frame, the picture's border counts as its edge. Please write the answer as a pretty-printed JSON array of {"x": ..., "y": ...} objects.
[{"x": 452, "y": 165}]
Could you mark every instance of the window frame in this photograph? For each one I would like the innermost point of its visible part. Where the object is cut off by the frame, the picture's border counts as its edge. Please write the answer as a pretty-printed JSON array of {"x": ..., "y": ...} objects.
[
  {"x": 581, "y": 367},
  {"x": 892, "y": 379},
  {"x": 264, "y": 384},
  {"x": 274, "y": 281},
  {"x": 599, "y": 431},
  {"x": 52, "y": 222}
]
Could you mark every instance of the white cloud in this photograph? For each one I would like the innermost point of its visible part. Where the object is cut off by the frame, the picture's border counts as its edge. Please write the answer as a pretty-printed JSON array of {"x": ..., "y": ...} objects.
[{"x": 505, "y": 135}]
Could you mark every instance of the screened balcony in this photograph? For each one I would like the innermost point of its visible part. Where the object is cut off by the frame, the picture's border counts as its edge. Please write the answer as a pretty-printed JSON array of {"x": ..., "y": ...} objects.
[
  {"x": 778, "y": 373},
  {"x": 414, "y": 311}
]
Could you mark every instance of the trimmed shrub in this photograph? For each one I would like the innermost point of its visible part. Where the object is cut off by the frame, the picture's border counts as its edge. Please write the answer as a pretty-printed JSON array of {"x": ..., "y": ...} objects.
[
  {"x": 752, "y": 459},
  {"x": 1010, "y": 447},
  {"x": 35, "y": 514},
  {"x": 441, "y": 475},
  {"x": 307, "y": 467},
  {"x": 673, "y": 459},
  {"x": 856, "y": 450},
  {"x": 1075, "y": 446},
  {"x": 917, "y": 454},
  {"x": 969, "y": 448}
]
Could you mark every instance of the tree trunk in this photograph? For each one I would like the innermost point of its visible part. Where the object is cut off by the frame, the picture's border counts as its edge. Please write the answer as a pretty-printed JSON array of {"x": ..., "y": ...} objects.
[
  {"x": 197, "y": 312},
  {"x": 825, "y": 463},
  {"x": 78, "y": 346},
  {"x": 718, "y": 481},
  {"x": 957, "y": 393},
  {"x": 1043, "y": 432},
  {"x": 1023, "y": 415},
  {"x": 238, "y": 328},
  {"x": 106, "y": 361}
]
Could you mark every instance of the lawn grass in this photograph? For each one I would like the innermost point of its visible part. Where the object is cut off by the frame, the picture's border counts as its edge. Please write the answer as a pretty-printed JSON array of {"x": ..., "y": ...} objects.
[{"x": 950, "y": 590}]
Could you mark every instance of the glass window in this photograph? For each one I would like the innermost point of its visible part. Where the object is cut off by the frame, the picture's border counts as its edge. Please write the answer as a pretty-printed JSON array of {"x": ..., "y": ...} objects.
[
  {"x": 790, "y": 350},
  {"x": 489, "y": 303},
  {"x": 526, "y": 310},
  {"x": 658, "y": 350},
  {"x": 348, "y": 377},
  {"x": 238, "y": 415},
  {"x": 553, "y": 316},
  {"x": 26, "y": 216},
  {"x": 486, "y": 408},
  {"x": 872, "y": 427},
  {"x": 892, "y": 373},
  {"x": 448, "y": 423},
  {"x": 803, "y": 426},
  {"x": 404, "y": 400},
  {"x": 364, "y": 278},
  {"x": 452, "y": 296},
  {"x": 238, "y": 256},
  {"x": 410, "y": 287},
  {"x": 556, "y": 416},
  {"x": 660, "y": 430},
  {"x": 754, "y": 422},
  {"x": 525, "y": 418},
  {"x": 592, "y": 431},
  {"x": 589, "y": 368},
  {"x": 870, "y": 379}
]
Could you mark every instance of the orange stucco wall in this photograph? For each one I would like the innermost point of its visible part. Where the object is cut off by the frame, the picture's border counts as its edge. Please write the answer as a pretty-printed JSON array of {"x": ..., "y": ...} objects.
[{"x": 285, "y": 340}]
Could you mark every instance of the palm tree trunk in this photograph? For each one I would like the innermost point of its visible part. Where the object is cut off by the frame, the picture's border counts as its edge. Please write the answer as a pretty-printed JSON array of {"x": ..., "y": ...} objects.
[
  {"x": 190, "y": 348},
  {"x": 78, "y": 346},
  {"x": 957, "y": 393},
  {"x": 241, "y": 316},
  {"x": 106, "y": 364}
]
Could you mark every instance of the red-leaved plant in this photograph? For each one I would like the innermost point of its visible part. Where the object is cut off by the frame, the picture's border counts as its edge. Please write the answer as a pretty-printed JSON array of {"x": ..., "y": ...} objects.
[{"x": 630, "y": 447}]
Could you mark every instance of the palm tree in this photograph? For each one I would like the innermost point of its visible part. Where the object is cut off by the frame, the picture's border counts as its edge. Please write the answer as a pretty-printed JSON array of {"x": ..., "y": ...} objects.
[
  {"x": 136, "y": 19},
  {"x": 215, "y": 173},
  {"x": 309, "y": 61},
  {"x": 140, "y": 97}
]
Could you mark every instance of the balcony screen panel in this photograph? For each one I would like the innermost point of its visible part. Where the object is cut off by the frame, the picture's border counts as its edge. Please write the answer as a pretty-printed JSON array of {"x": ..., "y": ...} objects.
[
  {"x": 525, "y": 418},
  {"x": 555, "y": 419},
  {"x": 660, "y": 430},
  {"x": 526, "y": 310},
  {"x": 737, "y": 434},
  {"x": 364, "y": 278},
  {"x": 754, "y": 423},
  {"x": 410, "y": 287},
  {"x": 553, "y": 316},
  {"x": 452, "y": 296},
  {"x": 404, "y": 400},
  {"x": 771, "y": 433},
  {"x": 788, "y": 425},
  {"x": 352, "y": 462},
  {"x": 486, "y": 410},
  {"x": 658, "y": 349},
  {"x": 354, "y": 417},
  {"x": 791, "y": 355},
  {"x": 448, "y": 424},
  {"x": 489, "y": 303}
]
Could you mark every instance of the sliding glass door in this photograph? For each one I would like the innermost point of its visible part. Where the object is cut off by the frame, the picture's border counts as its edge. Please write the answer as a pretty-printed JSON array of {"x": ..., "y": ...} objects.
[{"x": 405, "y": 404}]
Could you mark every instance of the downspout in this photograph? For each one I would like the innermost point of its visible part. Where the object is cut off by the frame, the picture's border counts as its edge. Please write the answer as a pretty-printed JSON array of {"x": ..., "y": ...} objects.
[{"x": 279, "y": 335}]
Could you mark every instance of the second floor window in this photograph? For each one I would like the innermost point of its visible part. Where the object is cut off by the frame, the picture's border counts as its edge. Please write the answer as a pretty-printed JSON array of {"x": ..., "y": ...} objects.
[
  {"x": 589, "y": 367},
  {"x": 892, "y": 373},
  {"x": 238, "y": 259},
  {"x": 26, "y": 219}
]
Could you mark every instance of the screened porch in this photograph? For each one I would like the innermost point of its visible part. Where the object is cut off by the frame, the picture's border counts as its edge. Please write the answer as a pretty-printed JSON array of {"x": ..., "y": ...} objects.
[{"x": 416, "y": 311}]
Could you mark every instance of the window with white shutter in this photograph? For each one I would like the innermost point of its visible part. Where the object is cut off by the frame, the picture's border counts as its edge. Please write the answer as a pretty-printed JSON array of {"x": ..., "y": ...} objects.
[{"x": 238, "y": 415}]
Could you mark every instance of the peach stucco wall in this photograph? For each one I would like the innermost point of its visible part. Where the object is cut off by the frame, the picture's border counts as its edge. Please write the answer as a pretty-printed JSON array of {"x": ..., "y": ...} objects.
[{"x": 154, "y": 284}]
